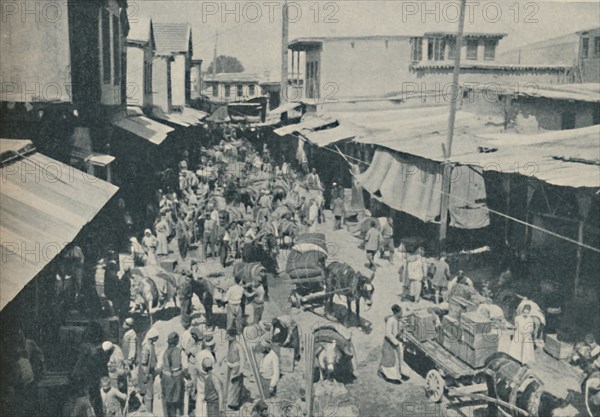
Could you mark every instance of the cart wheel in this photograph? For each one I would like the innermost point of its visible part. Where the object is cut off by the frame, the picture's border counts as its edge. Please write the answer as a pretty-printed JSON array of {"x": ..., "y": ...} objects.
[{"x": 435, "y": 386}]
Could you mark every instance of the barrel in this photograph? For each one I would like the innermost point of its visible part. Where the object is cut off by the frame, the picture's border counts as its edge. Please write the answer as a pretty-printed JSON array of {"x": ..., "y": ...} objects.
[
  {"x": 505, "y": 374},
  {"x": 248, "y": 271}
]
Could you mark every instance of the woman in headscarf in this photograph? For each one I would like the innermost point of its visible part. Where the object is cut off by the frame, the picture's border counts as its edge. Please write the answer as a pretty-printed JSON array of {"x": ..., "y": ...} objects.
[
  {"x": 522, "y": 345},
  {"x": 150, "y": 243},
  {"x": 162, "y": 233}
]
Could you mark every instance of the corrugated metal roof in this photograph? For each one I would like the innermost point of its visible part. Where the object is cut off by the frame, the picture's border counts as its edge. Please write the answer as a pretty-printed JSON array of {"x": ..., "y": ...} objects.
[
  {"x": 576, "y": 92},
  {"x": 145, "y": 128},
  {"x": 309, "y": 121},
  {"x": 329, "y": 136},
  {"x": 541, "y": 156},
  {"x": 490, "y": 66},
  {"x": 195, "y": 116},
  {"x": 45, "y": 204},
  {"x": 172, "y": 37}
]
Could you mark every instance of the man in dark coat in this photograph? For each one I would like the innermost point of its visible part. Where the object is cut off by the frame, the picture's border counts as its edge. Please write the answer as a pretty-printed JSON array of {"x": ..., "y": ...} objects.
[
  {"x": 172, "y": 377},
  {"x": 185, "y": 294}
]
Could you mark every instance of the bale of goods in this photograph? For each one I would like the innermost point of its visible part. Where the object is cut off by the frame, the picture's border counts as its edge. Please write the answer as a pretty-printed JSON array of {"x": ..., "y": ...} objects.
[
  {"x": 318, "y": 239},
  {"x": 307, "y": 260},
  {"x": 304, "y": 273}
]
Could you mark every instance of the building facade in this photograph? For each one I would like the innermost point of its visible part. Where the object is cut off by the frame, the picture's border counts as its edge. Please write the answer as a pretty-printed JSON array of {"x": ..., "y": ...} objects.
[
  {"x": 336, "y": 68},
  {"x": 175, "y": 39},
  {"x": 140, "y": 53},
  {"x": 231, "y": 87},
  {"x": 64, "y": 92},
  {"x": 589, "y": 55}
]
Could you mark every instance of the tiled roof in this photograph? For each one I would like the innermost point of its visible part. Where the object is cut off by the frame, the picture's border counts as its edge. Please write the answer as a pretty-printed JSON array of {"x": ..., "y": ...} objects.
[{"x": 172, "y": 37}]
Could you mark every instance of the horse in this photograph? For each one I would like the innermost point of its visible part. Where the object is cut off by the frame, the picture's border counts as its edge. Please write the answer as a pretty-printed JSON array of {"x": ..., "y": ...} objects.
[
  {"x": 144, "y": 295},
  {"x": 335, "y": 358},
  {"x": 341, "y": 279},
  {"x": 152, "y": 292}
]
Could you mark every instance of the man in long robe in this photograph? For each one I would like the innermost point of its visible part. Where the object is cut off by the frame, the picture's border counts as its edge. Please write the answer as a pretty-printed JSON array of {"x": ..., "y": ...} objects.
[
  {"x": 236, "y": 392},
  {"x": 390, "y": 367}
]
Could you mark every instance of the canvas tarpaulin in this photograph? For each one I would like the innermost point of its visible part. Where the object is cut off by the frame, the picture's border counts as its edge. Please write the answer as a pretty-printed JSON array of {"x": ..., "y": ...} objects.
[
  {"x": 467, "y": 206},
  {"x": 404, "y": 185},
  {"x": 414, "y": 186}
]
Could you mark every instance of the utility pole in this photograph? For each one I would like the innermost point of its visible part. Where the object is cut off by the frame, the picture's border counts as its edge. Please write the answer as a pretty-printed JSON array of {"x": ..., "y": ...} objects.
[
  {"x": 284, "y": 52},
  {"x": 447, "y": 148},
  {"x": 214, "y": 68}
]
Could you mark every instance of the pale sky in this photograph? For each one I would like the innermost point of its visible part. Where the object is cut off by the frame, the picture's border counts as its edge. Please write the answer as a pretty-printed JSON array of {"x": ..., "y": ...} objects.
[{"x": 251, "y": 30}]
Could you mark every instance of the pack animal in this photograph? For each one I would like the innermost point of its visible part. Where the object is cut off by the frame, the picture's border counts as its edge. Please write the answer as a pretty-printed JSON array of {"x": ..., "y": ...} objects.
[{"x": 342, "y": 280}]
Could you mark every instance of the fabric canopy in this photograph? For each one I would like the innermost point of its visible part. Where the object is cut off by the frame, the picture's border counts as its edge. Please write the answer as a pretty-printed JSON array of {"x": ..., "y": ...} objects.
[
  {"x": 403, "y": 185},
  {"x": 467, "y": 205},
  {"x": 415, "y": 187},
  {"x": 45, "y": 204}
]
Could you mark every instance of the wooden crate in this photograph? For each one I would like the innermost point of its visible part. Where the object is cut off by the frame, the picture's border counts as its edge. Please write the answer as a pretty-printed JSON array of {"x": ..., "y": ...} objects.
[
  {"x": 459, "y": 305},
  {"x": 423, "y": 327},
  {"x": 475, "y": 357},
  {"x": 451, "y": 334},
  {"x": 481, "y": 340},
  {"x": 556, "y": 348},
  {"x": 475, "y": 322}
]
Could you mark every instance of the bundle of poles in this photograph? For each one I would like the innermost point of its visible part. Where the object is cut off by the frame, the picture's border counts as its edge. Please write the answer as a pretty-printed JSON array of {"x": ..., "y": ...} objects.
[{"x": 309, "y": 359}]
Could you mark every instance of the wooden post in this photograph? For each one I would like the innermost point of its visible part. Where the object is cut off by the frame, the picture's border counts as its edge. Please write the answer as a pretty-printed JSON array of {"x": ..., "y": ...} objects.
[
  {"x": 284, "y": 53},
  {"x": 530, "y": 191},
  {"x": 445, "y": 202},
  {"x": 580, "y": 237},
  {"x": 447, "y": 148},
  {"x": 584, "y": 203},
  {"x": 507, "y": 188},
  {"x": 309, "y": 359},
  {"x": 254, "y": 368}
]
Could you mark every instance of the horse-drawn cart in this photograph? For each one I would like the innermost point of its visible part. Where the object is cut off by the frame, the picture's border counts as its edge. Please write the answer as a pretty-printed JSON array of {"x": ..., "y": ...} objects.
[{"x": 508, "y": 387}]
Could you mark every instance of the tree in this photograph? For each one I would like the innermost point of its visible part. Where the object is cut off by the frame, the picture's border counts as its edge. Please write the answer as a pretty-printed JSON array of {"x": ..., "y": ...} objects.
[{"x": 226, "y": 64}]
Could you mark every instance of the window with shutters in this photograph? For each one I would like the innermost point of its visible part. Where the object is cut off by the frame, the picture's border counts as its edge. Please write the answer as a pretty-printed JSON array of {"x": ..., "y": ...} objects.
[
  {"x": 417, "y": 49},
  {"x": 489, "y": 51},
  {"x": 472, "y": 45}
]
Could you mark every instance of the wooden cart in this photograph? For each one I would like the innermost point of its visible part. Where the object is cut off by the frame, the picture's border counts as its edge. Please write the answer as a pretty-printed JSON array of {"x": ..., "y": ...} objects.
[
  {"x": 444, "y": 370},
  {"x": 507, "y": 387}
]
